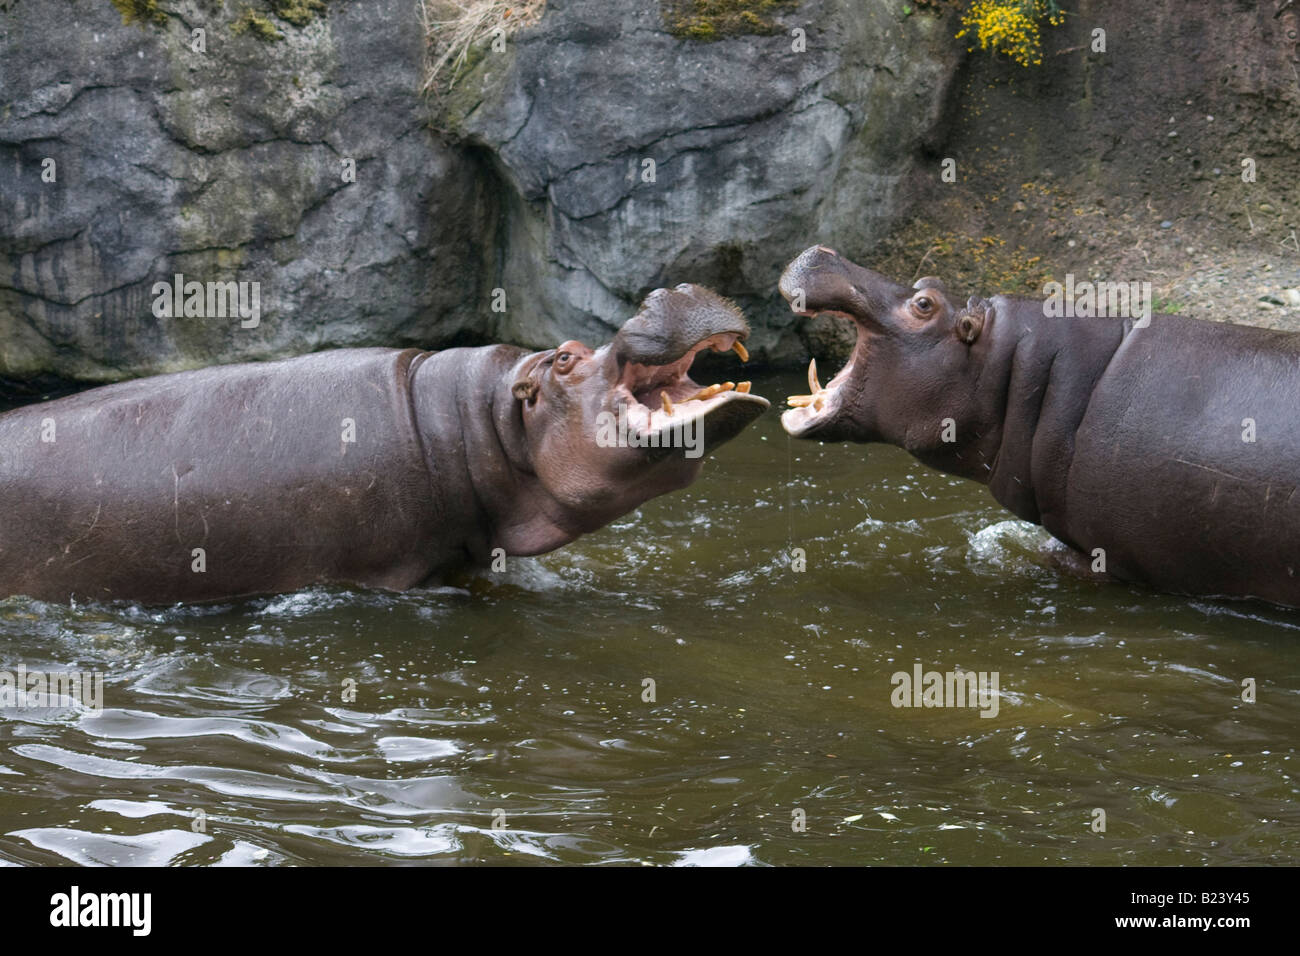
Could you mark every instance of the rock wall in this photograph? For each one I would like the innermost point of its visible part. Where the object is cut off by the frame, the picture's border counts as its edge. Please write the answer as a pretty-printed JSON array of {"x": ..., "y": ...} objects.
[
  {"x": 627, "y": 157},
  {"x": 611, "y": 148},
  {"x": 226, "y": 164}
]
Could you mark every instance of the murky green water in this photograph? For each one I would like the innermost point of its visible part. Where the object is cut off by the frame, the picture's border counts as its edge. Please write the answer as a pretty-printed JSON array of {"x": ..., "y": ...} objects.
[{"x": 522, "y": 702}]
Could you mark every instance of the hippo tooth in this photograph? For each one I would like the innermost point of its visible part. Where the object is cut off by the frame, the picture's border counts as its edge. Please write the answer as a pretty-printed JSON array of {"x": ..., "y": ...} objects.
[
  {"x": 743, "y": 387},
  {"x": 705, "y": 393},
  {"x": 726, "y": 386},
  {"x": 798, "y": 401},
  {"x": 740, "y": 350},
  {"x": 668, "y": 405},
  {"x": 814, "y": 385}
]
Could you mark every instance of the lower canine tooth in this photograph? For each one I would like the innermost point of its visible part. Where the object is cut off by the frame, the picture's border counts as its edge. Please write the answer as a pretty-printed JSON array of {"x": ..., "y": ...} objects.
[
  {"x": 740, "y": 350},
  {"x": 799, "y": 401},
  {"x": 668, "y": 405},
  {"x": 743, "y": 387},
  {"x": 814, "y": 385}
]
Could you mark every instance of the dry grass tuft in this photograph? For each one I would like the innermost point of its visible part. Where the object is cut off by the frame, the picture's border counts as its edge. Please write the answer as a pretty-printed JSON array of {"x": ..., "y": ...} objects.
[{"x": 453, "y": 29}]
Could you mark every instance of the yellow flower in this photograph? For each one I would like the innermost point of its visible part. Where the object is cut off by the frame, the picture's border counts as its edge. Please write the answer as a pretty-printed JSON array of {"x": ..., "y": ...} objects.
[{"x": 1011, "y": 27}]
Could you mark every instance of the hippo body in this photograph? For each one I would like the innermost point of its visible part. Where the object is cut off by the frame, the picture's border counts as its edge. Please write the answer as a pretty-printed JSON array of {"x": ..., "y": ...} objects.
[
  {"x": 1131, "y": 440},
  {"x": 1161, "y": 474},
  {"x": 380, "y": 467},
  {"x": 232, "y": 460},
  {"x": 1172, "y": 445}
]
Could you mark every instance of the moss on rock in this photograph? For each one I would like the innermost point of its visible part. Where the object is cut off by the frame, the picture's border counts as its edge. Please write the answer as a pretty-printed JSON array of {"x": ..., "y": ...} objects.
[
  {"x": 714, "y": 19},
  {"x": 298, "y": 12},
  {"x": 140, "y": 11},
  {"x": 254, "y": 23}
]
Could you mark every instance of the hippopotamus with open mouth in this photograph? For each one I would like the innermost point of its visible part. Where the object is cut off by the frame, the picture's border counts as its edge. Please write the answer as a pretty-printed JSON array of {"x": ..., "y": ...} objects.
[
  {"x": 1165, "y": 450},
  {"x": 380, "y": 467}
]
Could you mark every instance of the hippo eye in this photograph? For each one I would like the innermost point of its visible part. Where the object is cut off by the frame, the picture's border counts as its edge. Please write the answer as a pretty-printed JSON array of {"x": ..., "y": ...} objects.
[
  {"x": 923, "y": 304},
  {"x": 563, "y": 361}
]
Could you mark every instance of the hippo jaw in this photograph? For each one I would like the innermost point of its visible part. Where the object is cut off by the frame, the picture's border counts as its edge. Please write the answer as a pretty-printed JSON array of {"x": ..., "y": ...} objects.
[
  {"x": 819, "y": 281},
  {"x": 823, "y": 404},
  {"x": 612, "y": 428},
  {"x": 659, "y": 400},
  {"x": 653, "y": 353},
  {"x": 891, "y": 325}
]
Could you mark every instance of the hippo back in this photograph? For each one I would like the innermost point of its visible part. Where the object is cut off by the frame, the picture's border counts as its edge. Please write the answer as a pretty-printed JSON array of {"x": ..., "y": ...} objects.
[
  {"x": 231, "y": 480},
  {"x": 1187, "y": 461}
]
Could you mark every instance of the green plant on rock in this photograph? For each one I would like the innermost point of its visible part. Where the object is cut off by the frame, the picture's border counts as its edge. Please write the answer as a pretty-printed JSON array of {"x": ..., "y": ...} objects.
[
  {"x": 713, "y": 19},
  {"x": 298, "y": 12},
  {"x": 254, "y": 23},
  {"x": 140, "y": 11}
]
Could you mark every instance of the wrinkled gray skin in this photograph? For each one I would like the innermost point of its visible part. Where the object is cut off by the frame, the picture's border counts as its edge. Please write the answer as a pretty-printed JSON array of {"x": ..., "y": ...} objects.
[
  {"x": 1112, "y": 437},
  {"x": 379, "y": 467}
]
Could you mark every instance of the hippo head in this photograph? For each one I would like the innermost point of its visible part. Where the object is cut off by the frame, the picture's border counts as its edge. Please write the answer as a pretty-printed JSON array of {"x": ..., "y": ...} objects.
[
  {"x": 610, "y": 428},
  {"x": 913, "y": 365}
]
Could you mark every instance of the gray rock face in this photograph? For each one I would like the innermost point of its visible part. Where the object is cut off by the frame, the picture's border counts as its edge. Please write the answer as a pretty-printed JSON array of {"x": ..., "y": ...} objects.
[
  {"x": 628, "y": 158},
  {"x": 226, "y": 164}
]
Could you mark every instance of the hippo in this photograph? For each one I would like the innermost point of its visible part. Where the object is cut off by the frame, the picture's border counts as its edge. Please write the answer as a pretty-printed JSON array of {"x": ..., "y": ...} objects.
[
  {"x": 1165, "y": 450},
  {"x": 380, "y": 467}
]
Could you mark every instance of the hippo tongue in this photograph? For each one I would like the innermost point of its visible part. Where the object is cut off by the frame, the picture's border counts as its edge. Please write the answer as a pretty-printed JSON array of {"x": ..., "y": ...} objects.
[{"x": 674, "y": 324}]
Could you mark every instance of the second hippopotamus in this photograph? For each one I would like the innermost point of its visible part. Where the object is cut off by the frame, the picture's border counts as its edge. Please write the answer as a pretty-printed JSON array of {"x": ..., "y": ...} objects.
[
  {"x": 1165, "y": 449},
  {"x": 379, "y": 467}
]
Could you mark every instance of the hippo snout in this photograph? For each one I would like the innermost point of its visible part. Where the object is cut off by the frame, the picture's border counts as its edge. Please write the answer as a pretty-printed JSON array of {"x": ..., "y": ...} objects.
[
  {"x": 817, "y": 281},
  {"x": 672, "y": 323},
  {"x": 821, "y": 280}
]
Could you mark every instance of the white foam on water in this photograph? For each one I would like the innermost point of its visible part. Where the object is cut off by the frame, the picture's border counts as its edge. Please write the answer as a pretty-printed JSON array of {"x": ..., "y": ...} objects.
[
  {"x": 717, "y": 856},
  {"x": 113, "y": 849},
  {"x": 1007, "y": 544},
  {"x": 133, "y": 809},
  {"x": 412, "y": 749},
  {"x": 397, "y": 840}
]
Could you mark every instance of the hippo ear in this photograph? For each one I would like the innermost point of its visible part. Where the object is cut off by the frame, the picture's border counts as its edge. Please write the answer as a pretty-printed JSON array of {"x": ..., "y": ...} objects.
[
  {"x": 970, "y": 320},
  {"x": 528, "y": 384}
]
